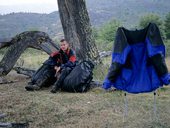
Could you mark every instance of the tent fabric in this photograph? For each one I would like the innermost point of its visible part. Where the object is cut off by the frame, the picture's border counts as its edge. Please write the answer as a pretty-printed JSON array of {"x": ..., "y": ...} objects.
[{"x": 138, "y": 61}]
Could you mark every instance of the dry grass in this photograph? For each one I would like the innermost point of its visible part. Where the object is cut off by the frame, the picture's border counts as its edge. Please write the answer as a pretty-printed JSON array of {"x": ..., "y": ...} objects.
[
  {"x": 94, "y": 109},
  {"x": 32, "y": 59}
]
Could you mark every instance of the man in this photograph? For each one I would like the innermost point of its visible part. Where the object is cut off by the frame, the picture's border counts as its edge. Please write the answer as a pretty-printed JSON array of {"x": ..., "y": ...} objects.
[
  {"x": 66, "y": 63},
  {"x": 59, "y": 64}
]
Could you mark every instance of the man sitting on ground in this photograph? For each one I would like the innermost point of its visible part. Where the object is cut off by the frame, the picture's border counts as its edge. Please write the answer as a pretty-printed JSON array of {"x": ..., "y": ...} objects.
[
  {"x": 66, "y": 63},
  {"x": 63, "y": 61}
]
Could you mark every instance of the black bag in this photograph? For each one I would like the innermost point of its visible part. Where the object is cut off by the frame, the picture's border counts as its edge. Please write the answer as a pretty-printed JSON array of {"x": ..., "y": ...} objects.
[{"x": 80, "y": 77}]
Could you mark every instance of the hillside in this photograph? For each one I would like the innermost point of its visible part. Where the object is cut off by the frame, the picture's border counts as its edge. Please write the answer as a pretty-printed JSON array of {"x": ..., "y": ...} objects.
[
  {"x": 14, "y": 23},
  {"x": 127, "y": 12}
]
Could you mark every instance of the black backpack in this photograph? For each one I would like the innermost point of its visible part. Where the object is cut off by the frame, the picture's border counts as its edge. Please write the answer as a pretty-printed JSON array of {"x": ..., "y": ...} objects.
[{"x": 80, "y": 77}]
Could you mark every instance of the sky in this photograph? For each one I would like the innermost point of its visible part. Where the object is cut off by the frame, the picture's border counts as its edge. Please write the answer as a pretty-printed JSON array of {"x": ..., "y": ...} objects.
[{"x": 37, "y": 6}]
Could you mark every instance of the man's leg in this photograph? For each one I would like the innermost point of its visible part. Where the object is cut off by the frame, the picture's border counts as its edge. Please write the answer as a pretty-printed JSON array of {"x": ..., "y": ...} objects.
[
  {"x": 36, "y": 75},
  {"x": 58, "y": 84},
  {"x": 45, "y": 77}
]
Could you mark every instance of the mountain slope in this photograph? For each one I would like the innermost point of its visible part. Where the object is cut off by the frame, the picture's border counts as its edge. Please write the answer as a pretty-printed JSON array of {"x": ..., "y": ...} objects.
[{"x": 126, "y": 11}]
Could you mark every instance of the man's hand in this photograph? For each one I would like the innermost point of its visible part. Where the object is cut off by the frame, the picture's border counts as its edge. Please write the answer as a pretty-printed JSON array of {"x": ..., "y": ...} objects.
[
  {"x": 57, "y": 71},
  {"x": 57, "y": 68}
]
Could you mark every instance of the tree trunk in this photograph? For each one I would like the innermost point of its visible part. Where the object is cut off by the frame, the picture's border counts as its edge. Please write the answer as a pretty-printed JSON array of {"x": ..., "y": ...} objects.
[
  {"x": 20, "y": 43},
  {"x": 77, "y": 29}
]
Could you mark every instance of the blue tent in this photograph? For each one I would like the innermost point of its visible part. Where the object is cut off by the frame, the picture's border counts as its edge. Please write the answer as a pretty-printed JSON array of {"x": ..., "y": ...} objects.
[{"x": 138, "y": 61}]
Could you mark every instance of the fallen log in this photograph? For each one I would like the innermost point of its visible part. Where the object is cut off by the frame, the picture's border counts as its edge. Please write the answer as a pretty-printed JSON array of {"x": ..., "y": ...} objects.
[
  {"x": 5, "y": 42},
  {"x": 24, "y": 71},
  {"x": 105, "y": 54},
  {"x": 3, "y": 115},
  {"x": 14, "y": 125},
  {"x": 18, "y": 44}
]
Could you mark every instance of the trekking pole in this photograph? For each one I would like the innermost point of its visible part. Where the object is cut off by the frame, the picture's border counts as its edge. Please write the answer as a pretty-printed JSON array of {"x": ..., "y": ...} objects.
[
  {"x": 155, "y": 107},
  {"x": 125, "y": 107}
]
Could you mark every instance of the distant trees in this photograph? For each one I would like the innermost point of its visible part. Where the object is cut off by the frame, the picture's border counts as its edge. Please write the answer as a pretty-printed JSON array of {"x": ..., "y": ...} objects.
[
  {"x": 167, "y": 33},
  {"x": 164, "y": 25},
  {"x": 146, "y": 19},
  {"x": 167, "y": 26},
  {"x": 105, "y": 35},
  {"x": 108, "y": 30}
]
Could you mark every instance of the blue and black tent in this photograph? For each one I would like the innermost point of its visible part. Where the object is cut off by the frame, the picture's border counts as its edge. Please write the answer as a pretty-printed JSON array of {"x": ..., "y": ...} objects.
[{"x": 138, "y": 61}]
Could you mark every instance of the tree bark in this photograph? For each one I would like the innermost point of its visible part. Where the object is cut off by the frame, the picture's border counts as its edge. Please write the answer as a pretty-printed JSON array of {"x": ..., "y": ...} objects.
[
  {"x": 77, "y": 29},
  {"x": 14, "y": 125},
  {"x": 20, "y": 43},
  {"x": 5, "y": 42},
  {"x": 2, "y": 115},
  {"x": 24, "y": 71}
]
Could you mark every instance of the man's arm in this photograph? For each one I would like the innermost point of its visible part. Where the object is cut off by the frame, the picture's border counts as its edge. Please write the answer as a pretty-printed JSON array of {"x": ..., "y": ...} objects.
[{"x": 72, "y": 60}]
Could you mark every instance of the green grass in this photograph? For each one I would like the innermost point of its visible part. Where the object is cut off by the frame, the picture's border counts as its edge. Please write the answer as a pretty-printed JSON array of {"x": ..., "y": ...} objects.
[{"x": 31, "y": 58}]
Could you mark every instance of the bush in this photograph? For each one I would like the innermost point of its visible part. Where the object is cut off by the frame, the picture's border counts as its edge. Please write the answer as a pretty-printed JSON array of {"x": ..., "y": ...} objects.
[
  {"x": 105, "y": 35},
  {"x": 167, "y": 26},
  {"x": 167, "y": 44},
  {"x": 154, "y": 18}
]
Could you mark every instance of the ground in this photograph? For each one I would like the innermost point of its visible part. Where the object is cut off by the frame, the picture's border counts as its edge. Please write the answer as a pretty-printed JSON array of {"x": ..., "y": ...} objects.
[{"x": 94, "y": 109}]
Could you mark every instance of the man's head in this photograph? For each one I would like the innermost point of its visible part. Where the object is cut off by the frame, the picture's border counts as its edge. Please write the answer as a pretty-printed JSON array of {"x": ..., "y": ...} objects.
[{"x": 64, "y": 45}]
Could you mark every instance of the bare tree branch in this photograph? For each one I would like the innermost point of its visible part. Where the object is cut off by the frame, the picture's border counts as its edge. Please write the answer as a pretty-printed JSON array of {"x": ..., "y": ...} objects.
[
  {"x": 5, "y": 42},
  {"x": 24, "y": 71},
  {"x": 18, "y": 44}
]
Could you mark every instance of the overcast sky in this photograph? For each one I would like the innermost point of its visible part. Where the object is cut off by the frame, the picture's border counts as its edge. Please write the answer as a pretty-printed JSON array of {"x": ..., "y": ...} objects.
[{"x": 38, "y": 6}]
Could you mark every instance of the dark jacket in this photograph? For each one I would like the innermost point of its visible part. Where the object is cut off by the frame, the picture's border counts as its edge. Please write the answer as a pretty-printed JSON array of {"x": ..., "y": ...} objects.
[{"x": 62, "y": 59}]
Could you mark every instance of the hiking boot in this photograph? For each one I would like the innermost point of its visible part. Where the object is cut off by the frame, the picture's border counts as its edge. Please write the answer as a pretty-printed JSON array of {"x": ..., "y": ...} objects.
[
  {"x": 32, "y": 87},
  {"x": 83, "y": 89},
  {"x": 30, "y": 83},
  {"x": 54, "y": 89}
]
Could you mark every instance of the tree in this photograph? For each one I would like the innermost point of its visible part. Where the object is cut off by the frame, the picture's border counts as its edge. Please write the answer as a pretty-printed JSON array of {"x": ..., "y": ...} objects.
[
  {"x": 146, "y": 19},
  {"x": 108, "y": 30},
  {"x": 77, "y": 28},
  {"x": 105, "y": 35},
  {"x": 18, "y": 44},
  {"x": 167, "y": 26}
]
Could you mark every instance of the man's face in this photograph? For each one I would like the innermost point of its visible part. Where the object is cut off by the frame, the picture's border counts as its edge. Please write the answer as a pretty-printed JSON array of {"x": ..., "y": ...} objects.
[{"x": 64, "y": 45}]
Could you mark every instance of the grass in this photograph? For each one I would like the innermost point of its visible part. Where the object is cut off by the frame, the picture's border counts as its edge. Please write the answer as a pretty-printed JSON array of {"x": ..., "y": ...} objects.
[
  {"x": 94, "y": 109},
  {"x": 32, "y": 59}
]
